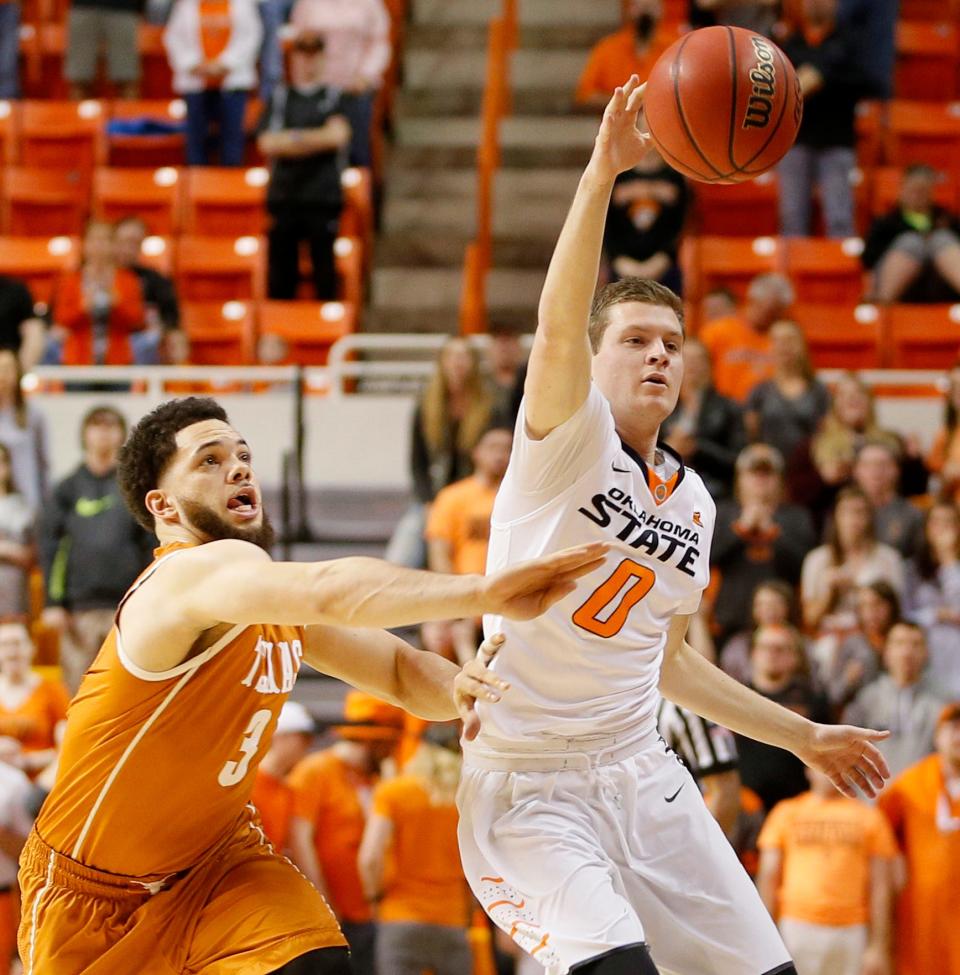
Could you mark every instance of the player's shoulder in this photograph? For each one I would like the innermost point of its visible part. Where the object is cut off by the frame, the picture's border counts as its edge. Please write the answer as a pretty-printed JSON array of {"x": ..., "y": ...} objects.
[{"x": 194, "y": 559}]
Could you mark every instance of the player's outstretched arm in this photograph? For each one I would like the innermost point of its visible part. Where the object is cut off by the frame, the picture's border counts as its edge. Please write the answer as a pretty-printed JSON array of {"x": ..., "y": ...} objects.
[
  {"x": 558, "y": 375},
  {"x": 847, "y": 755},
  {"x": 423, "y": 683}
]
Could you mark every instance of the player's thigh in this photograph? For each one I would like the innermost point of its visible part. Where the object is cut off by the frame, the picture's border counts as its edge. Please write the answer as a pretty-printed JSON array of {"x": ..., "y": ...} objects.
[
  {"x": 263, "y": 912},
  {"x": 700, "y": 910},
  {"x": 533, "y": 857}
]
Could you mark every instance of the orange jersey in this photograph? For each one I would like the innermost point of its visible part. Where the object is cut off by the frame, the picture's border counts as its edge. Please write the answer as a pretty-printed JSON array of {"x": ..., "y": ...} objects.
[
  {"x": 274, "y": 801},
  {"x": 32, "y": 722},
  {"x": 425, "y": 882},
  {"x": 460, "y": 516},
  {"x": 926, "y": 821},
  {"x": 827, "y": 847},
  {"x": 156, "y": 768},
  {"x": 329, "y": 795},
  {"x": 613, "y": 59},
  {"x": 742, "y": 357}
]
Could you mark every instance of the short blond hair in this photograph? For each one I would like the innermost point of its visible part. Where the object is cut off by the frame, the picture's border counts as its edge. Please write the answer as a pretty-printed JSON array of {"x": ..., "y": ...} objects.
[{"x": 644, "y": 290}]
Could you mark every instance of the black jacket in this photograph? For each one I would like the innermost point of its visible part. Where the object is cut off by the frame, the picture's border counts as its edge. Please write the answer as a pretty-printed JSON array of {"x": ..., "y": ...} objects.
[
  {"x": 720, "y": 437},
  {"x": 886, "y": 229},
  {"x": 91, "y": 548}
]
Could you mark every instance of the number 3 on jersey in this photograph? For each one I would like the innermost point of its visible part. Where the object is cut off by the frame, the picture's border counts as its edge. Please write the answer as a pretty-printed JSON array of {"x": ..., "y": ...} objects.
[
  {"x": 639, "y": 581},
  {"x": 234, "y": 772}
]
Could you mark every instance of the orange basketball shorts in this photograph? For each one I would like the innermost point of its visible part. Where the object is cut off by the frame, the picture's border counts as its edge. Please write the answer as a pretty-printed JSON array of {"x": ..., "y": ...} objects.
[{"x": 242, "y": 909}]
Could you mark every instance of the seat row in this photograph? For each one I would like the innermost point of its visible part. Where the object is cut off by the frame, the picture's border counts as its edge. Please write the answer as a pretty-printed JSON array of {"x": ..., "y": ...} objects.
[
  {"x": 42, "y": 201},
  {"x": 204, "y": 268},
  {"x": 750, "y": 208},
  {"x": 227, "y": 333}
]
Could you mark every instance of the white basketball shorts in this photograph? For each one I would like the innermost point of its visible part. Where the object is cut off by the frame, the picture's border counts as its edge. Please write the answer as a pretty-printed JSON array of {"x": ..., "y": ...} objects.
[{"x": 578, "y": 862}]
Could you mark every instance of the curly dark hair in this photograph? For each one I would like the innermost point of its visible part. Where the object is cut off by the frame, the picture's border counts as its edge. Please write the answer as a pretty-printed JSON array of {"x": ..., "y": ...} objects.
[{"x": 151, "y": 445}]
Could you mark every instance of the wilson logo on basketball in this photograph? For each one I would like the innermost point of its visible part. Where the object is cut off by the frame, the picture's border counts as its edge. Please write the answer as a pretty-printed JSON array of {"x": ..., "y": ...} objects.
[{"x": 764, "y": 86}]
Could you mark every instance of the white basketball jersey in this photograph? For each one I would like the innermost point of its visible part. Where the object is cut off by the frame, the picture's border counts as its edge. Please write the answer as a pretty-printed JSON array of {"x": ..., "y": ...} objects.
[{"x": 590, "y": 666}]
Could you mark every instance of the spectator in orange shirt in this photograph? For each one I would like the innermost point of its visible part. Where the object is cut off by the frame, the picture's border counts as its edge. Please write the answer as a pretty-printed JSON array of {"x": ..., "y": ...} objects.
[
  {"x": 631, "y": 50},
  {"x": 96, "y": 309},
  {"x": 31, "y": 707},
  {"x": 410, "y": 863},
  {"x": 458, "y": 528},
  {"x": 740, "y": 345},
  {"x": 272, "y": 794},
  {"x": 332, "y": 794},
  {"x": 825, "y": 875},
  {"x": 458, "y": 525},
  {"x": 923, "y": 806}
]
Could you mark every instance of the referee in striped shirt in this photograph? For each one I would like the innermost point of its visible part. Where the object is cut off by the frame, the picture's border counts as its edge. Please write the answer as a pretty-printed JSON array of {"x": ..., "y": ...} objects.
[{"x": 710, "y": 753}]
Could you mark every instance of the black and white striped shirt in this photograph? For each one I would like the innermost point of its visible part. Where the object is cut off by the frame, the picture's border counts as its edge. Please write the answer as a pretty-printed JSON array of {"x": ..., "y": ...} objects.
[{"x": 706, "y": 748}]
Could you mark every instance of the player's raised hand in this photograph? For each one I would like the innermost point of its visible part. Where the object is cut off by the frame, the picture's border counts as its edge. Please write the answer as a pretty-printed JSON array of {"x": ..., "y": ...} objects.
[
  {"x": 620, "y": 144},
  {"x": 476, "y": 682},
  {"x": 848, "y": 757},
  {"x": 530, "y": 588}
]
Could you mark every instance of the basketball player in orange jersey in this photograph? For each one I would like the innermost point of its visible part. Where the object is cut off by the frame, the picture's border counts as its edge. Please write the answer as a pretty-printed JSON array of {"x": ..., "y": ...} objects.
[
  {"x": 146, "y": 857},
  {"x": 580, "y": 832}
]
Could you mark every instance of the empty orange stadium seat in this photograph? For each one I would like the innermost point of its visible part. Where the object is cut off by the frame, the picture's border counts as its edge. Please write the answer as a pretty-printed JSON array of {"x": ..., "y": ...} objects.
[
  {"x": 165, "y": 149},
  {"x": 926, "y": 132},
  {"x": 309, "y": 328},
  {"x": 727, "y": 262},
  {"x": 41, "y": 202},
  {"x": 841, "y": 336},
  {"x": 9, "y": 132},
  {"x": 38, "y": 262},
  {"x": 885, "y": 189},
  {"x": 924, "y": 336},
  {"x": 740, "y": 210},
  {"x": 929, "y": 9},
  {"x": 65, "y": 135},
  {"x": 356, "y": 220},
  {"x": 825, "y": 270},
  {"x": 151, "y": 194},
  {"x": 223, "y": 201},
  {"x": 155, "y": 77},
  {"x": 220, "y": 268},
  {"x": 928, "y": 55},
  {"x": 221, "y": 333}
]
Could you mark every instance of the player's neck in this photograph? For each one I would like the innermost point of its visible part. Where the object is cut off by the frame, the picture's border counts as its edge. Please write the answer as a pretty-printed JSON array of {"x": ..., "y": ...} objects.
[
  {"x": 642, "y": 440},
  {"x": 177, "y": 535}
]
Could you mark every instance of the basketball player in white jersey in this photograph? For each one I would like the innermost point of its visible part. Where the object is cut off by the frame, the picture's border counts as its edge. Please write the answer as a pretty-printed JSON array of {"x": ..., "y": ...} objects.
[{"x": 581, "y": 834}]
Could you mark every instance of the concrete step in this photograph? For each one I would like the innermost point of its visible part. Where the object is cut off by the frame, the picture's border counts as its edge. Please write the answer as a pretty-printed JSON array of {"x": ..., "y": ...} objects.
[
  {"x": 399, "y": 321},
  {"x": 425, "y": 102},
  {"x": 426, "y": 289},
  {"x": 598, "y": 14},
  {"x": 444, "y": 67},
  {"x": 538, "y": 36},
  {"x": 402, "y": 182},
  {"x": 434, "y": 249},
  {"x": 458, "y": 12},
  {"x": 436, "y": 215},
  {"x": 431, "y": 133}
]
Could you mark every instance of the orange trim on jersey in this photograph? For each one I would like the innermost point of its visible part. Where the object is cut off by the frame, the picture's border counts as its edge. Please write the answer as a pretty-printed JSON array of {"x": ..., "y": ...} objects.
[
  {"x": 661, "y": 490},
  {"x": 493, "y": 880},
  {"x": 543, "y": 944}
]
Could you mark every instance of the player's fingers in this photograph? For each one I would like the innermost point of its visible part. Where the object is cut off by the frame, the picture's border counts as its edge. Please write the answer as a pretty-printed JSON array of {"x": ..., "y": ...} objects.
[
  {"x": 616, "y": 103},
  {"x": 568, "y": 575},
  {"x": 874, "y": 755},
  {"x": 569, "y": 558},
  {"x": 473, "y": 687},
  {"x": 870, "y": 769},
  {"x": 635, "y": 99},
  {"x": 479, "y": 672},
  {"x": 859, "y": 778},
  {"x": 489, "y": 648},
  {"x": 840, "y": 781}
]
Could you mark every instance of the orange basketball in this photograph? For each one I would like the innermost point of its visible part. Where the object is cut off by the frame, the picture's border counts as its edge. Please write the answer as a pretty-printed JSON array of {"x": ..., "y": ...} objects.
[{"x": 723, "y": 104}]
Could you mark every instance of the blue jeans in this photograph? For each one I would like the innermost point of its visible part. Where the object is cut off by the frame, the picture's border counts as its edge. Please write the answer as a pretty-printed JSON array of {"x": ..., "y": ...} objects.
[
  {"x": 9, "y": 50},
  {"x": 359, "y": 112},
  {"x": 202, "y": 108},
  {"x": 804, "y": 168}
]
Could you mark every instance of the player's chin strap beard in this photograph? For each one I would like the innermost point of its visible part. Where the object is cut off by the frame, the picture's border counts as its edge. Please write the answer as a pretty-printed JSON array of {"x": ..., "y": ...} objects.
[{"x": 215, "y": 528}]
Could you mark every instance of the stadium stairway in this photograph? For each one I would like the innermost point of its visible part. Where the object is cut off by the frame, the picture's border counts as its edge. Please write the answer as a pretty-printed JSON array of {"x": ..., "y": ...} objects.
[{"x": 428, "y": 216}]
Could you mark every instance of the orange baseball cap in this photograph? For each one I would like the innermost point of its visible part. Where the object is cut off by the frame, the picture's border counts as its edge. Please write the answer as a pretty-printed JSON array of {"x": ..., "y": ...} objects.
[
  {"x": 367, "y": 718},
  {"x": 950, "y": 713}
]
